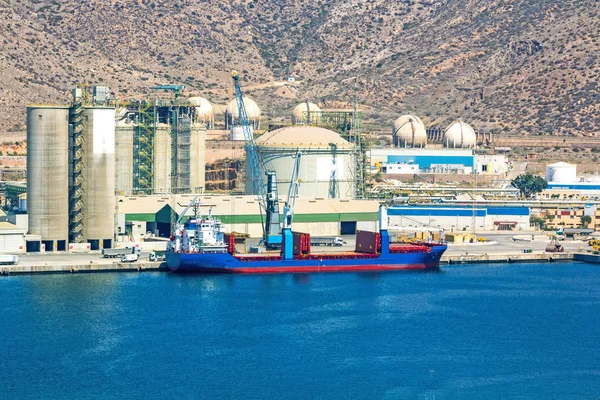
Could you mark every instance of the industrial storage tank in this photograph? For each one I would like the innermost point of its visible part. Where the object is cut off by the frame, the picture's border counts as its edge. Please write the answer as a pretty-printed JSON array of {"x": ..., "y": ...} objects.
[
  {"x": 232, "y": 114},
  {"x": 327, "y": 164},
  {"x": 302, "y": 114},
  {"x": 409, "y": 131},
  {"x": 162, "y": 159},
  {"x": 561, "y": 172},
  {"x": 204, "y": 111},
  {"x": 98, "y": 176},
  {"x": 124, "y": 154},
  {"x": 48, "y": 174},
  {"x": 236, "y": 133},
  {"x": 198, "y": 159},
  {"x": 459, "y": 135}
]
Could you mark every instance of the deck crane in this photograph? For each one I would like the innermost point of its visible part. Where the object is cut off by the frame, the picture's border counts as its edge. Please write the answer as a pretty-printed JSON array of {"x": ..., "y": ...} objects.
[{"x": 268, "y": 198}]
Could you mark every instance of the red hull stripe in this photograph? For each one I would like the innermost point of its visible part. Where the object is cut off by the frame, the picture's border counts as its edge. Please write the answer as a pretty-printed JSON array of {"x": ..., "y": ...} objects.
[{"x": 355, "y": 268}]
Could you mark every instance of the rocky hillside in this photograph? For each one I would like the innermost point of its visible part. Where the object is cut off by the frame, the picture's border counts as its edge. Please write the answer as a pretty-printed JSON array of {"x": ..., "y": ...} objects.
[{"x": 516, "y": 66}]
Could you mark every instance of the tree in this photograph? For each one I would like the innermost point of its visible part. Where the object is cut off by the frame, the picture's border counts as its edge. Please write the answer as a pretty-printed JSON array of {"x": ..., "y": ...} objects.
[
  {"x": 586, "y": 220},
  {"x": 537, "y": 221},
  {"x": 529, "y": 184}
]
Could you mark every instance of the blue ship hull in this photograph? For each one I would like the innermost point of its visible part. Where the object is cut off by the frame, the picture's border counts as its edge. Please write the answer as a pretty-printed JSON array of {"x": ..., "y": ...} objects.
[{"x": 228, "y": 263}]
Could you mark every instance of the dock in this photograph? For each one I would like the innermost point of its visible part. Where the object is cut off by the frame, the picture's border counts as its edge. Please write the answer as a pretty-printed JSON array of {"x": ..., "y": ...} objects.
[
  {"x": 506, "y": 258},
  {"x": 91, "y": 267}
]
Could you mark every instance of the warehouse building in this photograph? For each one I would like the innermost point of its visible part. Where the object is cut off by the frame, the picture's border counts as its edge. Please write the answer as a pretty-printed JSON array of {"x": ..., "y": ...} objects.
[
  {"x": 154, "y": 216},
  {"x": 459, "y": 218}
]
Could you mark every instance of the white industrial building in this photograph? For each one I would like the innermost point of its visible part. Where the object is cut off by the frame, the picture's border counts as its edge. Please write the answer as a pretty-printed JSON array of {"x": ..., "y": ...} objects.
[
  {"x": 12, "y": 238},
  {"x": 458, "y": 161}
]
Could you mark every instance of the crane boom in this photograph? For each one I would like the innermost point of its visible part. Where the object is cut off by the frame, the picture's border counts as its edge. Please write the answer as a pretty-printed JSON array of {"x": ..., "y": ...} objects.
[
  {"x": 266, "y": 193},
  {"x": 290, "y": 204}
]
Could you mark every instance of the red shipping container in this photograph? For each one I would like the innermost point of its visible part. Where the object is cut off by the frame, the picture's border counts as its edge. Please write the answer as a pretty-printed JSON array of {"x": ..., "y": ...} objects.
[{"x": 367, "y": 242}]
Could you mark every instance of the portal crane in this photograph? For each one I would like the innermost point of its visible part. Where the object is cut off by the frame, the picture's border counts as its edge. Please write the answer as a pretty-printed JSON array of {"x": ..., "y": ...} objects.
[{"x": 266, "y": 192}]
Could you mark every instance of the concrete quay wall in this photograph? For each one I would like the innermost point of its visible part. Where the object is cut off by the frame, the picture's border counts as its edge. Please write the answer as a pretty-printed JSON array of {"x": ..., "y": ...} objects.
[
  {"x": 83, "y": 268},
  {"x": 505, "y": 258}
]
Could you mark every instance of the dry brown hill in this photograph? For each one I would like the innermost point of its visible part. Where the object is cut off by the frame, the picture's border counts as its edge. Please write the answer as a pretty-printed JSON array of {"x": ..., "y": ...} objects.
[{"x": 519, "y": 66}]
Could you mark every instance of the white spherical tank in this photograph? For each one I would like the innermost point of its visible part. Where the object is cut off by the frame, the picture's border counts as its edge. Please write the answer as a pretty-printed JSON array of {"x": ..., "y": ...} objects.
[
  {"x": 409, "y": 131},
  {"x": 561, "y": 172},
  {"x": 204, "y": 111},
  {"x": 232, "y": 114},
  {"x": 301, "y": 114},
  {"x": 459, "y": 135},
  {"x": 326, "y": 170},
  {"x": 48, "y": 172}
]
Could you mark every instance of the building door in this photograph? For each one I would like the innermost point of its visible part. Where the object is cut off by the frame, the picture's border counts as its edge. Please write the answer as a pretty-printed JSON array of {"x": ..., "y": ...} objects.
[{"x": 348, "y": 227}]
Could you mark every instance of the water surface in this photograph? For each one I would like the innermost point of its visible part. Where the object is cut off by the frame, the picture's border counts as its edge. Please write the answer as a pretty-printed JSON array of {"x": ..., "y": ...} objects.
[{"x": 518, "y": 331}]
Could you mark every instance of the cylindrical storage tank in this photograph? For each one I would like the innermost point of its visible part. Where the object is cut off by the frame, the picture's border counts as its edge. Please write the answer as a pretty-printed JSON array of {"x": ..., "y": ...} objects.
[
  {"x": 232, "y": 115},
  {"x": 99, "y": 176},
  {"x": 326, "y": 170},
  {"x": 204, "y": 112},
  {"x": 198, "y": 159},
  {"x": 124, "y": 156},
  {"x": 48, "y": 172},
  {"x": 409, "y": 131},
  {"x": 561, "y": 172},
  {"x": 459, "y": 135},
  {"x": 162, "y": 159},
  {"x": 306, "y": 113},
  {"x": 236, "y": 133}
]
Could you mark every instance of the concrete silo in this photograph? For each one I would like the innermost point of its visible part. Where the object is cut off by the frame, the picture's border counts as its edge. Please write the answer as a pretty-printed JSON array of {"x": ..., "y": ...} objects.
[
  {"x": 459, "y": 135},
  {"x": 48, "y": 176},
  {"x": 99, "y": 176},
  {"x": 327, "y": 161},
  {"x": 197, "y": 159},
  {"x": 162, "y": 159},
  {"x": 124, "y": 154},
  {"x": 409, "y": 131},
  {"x": 232, "y": 115}
]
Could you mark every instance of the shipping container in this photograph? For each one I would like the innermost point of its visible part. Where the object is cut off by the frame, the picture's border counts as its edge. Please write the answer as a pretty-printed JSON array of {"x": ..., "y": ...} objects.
[
  {"x": 368, "y": 242},
  {"x": 301, "y": 243}
]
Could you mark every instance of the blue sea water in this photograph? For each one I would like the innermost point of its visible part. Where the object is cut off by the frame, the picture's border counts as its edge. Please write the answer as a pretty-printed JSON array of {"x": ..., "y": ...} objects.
[{"x": 518, "y": 331}]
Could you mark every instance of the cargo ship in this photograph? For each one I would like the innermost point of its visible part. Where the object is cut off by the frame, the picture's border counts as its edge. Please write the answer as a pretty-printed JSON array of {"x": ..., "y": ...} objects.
[{"x": 201, "y": 245}]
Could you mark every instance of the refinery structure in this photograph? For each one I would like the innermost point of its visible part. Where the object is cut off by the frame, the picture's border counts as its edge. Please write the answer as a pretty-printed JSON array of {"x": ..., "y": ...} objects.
[{"x": 89, "y": 158}]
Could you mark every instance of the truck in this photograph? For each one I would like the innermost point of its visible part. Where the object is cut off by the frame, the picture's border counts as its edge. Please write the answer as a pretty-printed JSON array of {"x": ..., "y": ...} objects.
[
  {"x": 133, "y": 257},
  {"x": 326, "y": 241},
  {"x": 157, "y": 255},
  {"x": 8, "y": 259},
  {"x": 116, "y": 253}
]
